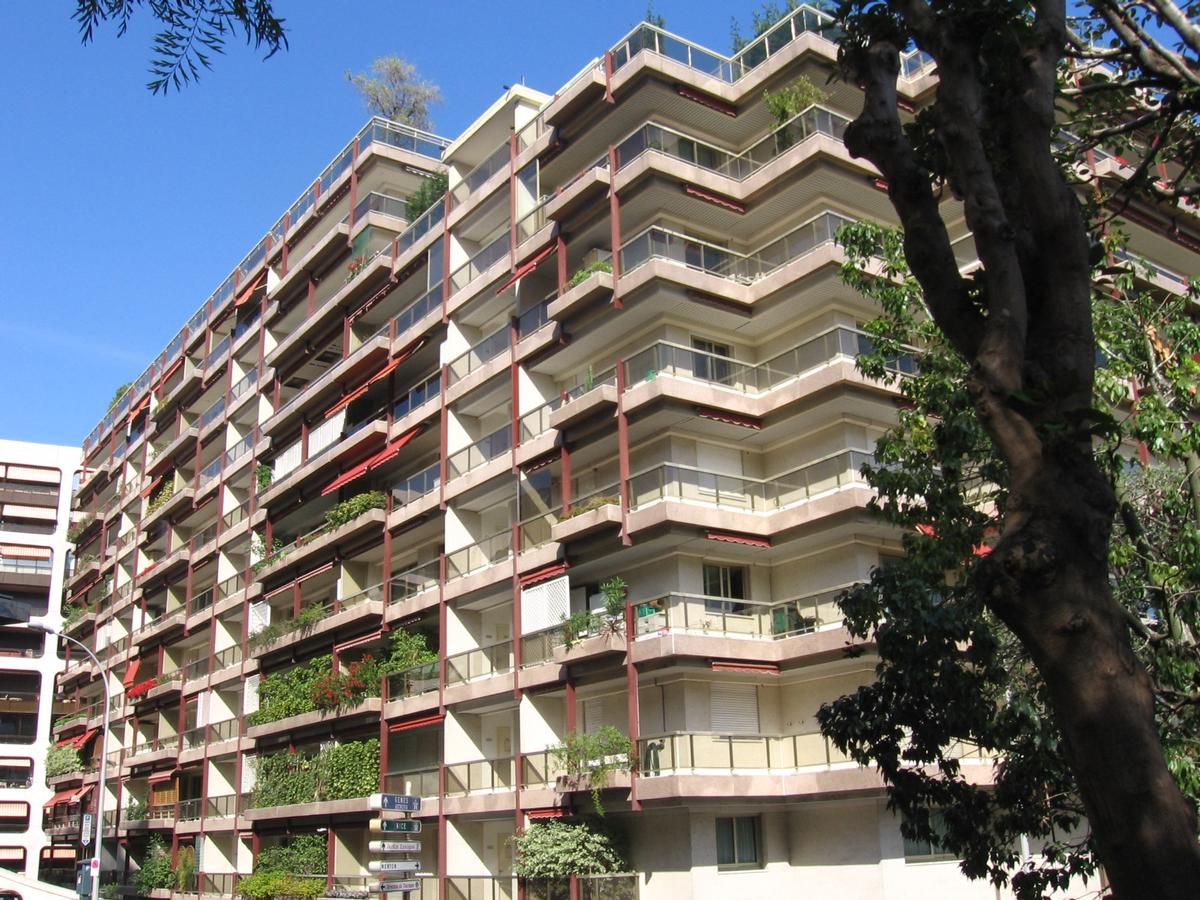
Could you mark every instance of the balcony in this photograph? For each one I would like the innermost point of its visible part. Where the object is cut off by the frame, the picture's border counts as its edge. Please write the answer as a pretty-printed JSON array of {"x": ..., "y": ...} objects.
[
  {"x": 469, "y": 566},
  {"x": 480, "y": 776},
  {"x": 743, "y": 619},
  {"x": 319, "y": 538},
  {"x": 413, "y": 589},
  {"x": 489, "y": 449}
]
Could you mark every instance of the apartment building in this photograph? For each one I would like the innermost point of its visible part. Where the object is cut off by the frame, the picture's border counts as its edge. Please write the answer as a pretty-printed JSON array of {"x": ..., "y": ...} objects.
[
  {"x": 617, "y": 347},
  {"x": 35, "y": 508}
]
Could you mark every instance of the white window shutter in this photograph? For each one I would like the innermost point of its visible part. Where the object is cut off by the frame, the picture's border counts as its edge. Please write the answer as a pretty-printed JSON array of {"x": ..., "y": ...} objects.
[
  {"x": 545, "y": 605},
  {"x": 260, "y": 616},
  {"x": 734, "y": 709},
  {"x": 250, "y": 695}
]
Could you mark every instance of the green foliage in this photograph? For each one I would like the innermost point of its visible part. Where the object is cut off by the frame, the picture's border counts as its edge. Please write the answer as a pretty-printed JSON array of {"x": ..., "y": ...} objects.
[
  {"x": 614, "y": 591},
  {"x": 308, "y": 617},
  {"x": 299, "y": 854},
  {"x": 156, "y": 871},
  {"x": 589, "y": 759},
  {"x": 263, "y": 476},
  {"x": 137, "y": 811},
  {"x": 336, "y": 772},
  {"x": 408, "y": 649},
  {"x": 793, "y": 98},
  {"x": 949, "y": 672},
  {"x": 62, "y": 761},
  {"x": 266, "y": 556},
  {"x": 582, "y": 275},
  {"x": 397, "y": 91},
  {"x": 578, "y": 626},
  {"x": 431, "y": 191},
  {"x": 593, "y": 502},
  {"x": 289, "y": 692},
  {"x": 185, "y": 868},
  {"x": 119, "y": 393},
  {"x": 159, "y": 500},
  {"x": 349, "y": 510},
  {"x": 558, "y": 850},
  {"x": 277, "y": 886},
  {"x": 654, "y": 18},
  {"x": 78, "y": 528}
]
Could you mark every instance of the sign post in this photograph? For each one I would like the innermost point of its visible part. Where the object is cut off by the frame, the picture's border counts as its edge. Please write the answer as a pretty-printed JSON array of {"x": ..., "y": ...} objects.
[
  {"x": 390, "y": 868},
  {"x": 85, "y": 832}
]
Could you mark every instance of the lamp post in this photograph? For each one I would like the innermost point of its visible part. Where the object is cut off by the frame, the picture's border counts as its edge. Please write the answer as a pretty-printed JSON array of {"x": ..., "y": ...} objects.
[{"x": 37, "y": 625}]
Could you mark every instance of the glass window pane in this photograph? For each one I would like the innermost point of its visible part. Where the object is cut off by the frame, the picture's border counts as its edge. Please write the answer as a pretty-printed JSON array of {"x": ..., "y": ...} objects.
[
  {"x": 747, "y": 839},
  {"x": 725, "y": 850}
]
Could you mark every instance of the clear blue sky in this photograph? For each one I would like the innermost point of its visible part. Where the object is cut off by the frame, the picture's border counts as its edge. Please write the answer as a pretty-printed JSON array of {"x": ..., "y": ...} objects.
[{"x": 122, "y": 211}]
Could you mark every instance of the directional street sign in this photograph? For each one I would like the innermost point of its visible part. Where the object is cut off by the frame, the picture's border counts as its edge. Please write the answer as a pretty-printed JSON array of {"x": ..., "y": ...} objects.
[
  {"x": 396, "y": 802},
  {"x": 395, "y": 846},
  {"x": 393, "y": 865},
  {"x": 397, "y": 886},
  {"x": 392, "y": 826},
  {"x": 85, "y": 834}
]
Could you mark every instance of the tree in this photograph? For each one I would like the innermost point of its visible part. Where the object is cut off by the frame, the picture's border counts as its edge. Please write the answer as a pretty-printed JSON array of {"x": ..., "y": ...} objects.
[
  {"x": 193, "y": 31},
  {"x": 397, "y": 91},
  {"x": 1010, "y": 458}
]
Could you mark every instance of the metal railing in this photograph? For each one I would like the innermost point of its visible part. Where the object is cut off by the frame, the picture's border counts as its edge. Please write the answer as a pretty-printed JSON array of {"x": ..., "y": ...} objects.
[
  {"x": 483, "y": 260},
  {"x": 418, "y": 783},
  {"x": 481, "y": 662},
  {"x": 657, "y": 242},
  {"x": 483, "y": 352},
  {"x": 414, "y": 581},
  {"x": 482, "y": 451},
  {"x": 418, "y": 485},
  {"x": 481, "y": 887},
  {"x": 489, "y": 551},
  {"x": 496, "y": 161},
  {"x": 729, "y": 617},
  {"x": 189, "y": 810},
  {"x": 480, "y": 775},
  {"x": 671, "y": 481},
  {"x": 413, "y": 681},
  {"x": 417, "y": 396}
]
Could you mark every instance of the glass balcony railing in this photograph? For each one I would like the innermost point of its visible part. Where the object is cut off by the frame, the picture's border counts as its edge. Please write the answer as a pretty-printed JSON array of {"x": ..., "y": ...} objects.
[
  {"x": 725, "y": 617},
  {"x": 220, "y": 807},
  {"x": 671, "y": 481},
  {"x": 480, "y": 354},
  {"x": 418, "y": 783},
  {"x": 218, "y": 352},
  {"x": 211, "y": 414},
  {"x": 417, "y": 396},
  {"x": 189, "y": 810},
  {"x": 414, "y": 581},
  {"x": 482, "y": 451},
  {"x": 480, "y": 775},
  {"x": 487, "y": 552},
  {"x": 416, "y": 311},
  {"x": 496, "y": 161},
  {"x": 657, "y": 242},
  {"x": 393, "y": 207},
  {"x": 479, "y": 663},
  {"x": 414, "y": 487},
  {"x": 664, "y": 358},
  {"x": 413, "y": 682},
  {"x": 660, "y": 139},
  {"x": 421, "y": 226},
  {"x": 482, "y": 261}
]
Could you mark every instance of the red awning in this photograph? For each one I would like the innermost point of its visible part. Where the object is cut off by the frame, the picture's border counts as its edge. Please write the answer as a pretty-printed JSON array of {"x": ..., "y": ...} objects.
[
  {"x": 160, "y": 777},
  {"x": 131, "y": 673},
  {"x": 767, "y": 668},
  {"x": 372, "y": 462},
  {"x": 85, "y": 737},
  {"x": 171, "y": 370},
  {"x": 250, "y": 288},
  {"x": 347, "y": 399},
  {"x": 542, "y": 574},
  {"x": 526, "y": 269},
  {"x": 728, "y": 418},
  {"x": 153, "y": 484},
  {"x": 547, "y": 812},
  {"x": 383, "y": 373},
  {"x": 145, "y": 402},
  {"x": 67, "y": 742},
  {"x": 60, "y": 797},
  {"x": 417, "y": 723},
  {"x": 731, "y": 538},
  {"x": 82, "y": 793},
  {"x": 345, "y": 478}
]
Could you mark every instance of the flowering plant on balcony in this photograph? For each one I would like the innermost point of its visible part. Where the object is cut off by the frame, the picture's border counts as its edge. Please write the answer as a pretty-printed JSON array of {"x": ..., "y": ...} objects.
[
  {"x": 351, "y": 685},
  {"x": 142, "y": 688}
]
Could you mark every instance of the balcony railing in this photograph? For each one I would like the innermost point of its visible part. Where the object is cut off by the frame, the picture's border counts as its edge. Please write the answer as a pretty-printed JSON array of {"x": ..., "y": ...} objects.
[
  {"x": 491, "y": 254},
  {"x": 418, "y": 783},
  {"x": 220, "y": 807},
  {"x": 417, "y": 396},
  {"x": 670, "y": 481},
  {"x": 657, "y": 242},
  {"x": 189, "y": 810},
  {"x": 413, "y": 682},
  {"x": 479, "y": 663},
  {"x": 155, "y": 745},
  {"x": 414, "y": 581},
  {"x": 489, "y": 551},
  {"x": 661, "y": 139},
  {"x": 480, "y": 354},
  {"x": 380, "y": 203},
  {"x": 482, "y": 451},
  {"x": 480, "y": 775},
  {"x": 726, "y": 617},
  {"x": 591, "y": 887},
  {"x": 755, "y": 378},
  {"x": 414, "y": 487},
  {"x": 496, "y": 161}
]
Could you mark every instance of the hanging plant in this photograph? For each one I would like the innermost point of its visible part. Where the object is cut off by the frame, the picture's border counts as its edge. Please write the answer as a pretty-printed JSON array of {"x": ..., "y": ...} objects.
[{"x": 588, "y": 760}]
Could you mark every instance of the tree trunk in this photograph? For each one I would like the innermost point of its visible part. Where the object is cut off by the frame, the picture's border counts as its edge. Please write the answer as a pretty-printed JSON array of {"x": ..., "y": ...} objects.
[{"x": 1048, "y": 581}]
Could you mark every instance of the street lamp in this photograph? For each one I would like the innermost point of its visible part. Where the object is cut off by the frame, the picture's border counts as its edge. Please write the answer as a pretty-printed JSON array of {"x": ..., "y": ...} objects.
[{"x": 37, "y": 624}]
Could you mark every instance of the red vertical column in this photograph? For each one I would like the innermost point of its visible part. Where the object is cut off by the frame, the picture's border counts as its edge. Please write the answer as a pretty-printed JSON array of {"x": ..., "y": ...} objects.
[
  {"x": 614, "y": 212},
  {"x": 623, "y": 452}
]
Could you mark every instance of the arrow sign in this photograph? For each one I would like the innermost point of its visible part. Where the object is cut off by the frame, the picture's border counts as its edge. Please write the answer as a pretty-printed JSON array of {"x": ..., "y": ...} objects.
[
  {"x": 85, "y": 836},
  {"x": 404, "y": 826},
  {"x": 393, "y": 865},
  {"x": 395, "y": 802},
  {"x": 399, "y": 886},
  {"x": 395, "y": 846}
]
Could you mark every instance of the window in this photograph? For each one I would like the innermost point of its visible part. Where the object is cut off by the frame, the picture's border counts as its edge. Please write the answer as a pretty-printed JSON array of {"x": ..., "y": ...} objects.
[
  {"x": 738, "y": 842},
  {"x": 924, "y": 851},
  {"x": 712, "y": 361},
  {"x": 728, "y": 582}
]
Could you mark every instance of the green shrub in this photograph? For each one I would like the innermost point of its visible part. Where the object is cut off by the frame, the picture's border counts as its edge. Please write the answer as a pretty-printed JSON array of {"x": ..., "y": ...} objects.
[
  {"x": 558, "y": 850},
  {"x": 349, "y": 510},
  {"x": 62, "y": 761},
  {"x": 156, "y": 871},
  {"x": 301, "y": 854},
  {"x": 267, "y": 885},
  {"x": 408, "y": 649},
  {"x": 600, "y": 265},
  {"x": 589, "y": 759},
  {"x": 430, "y": 192},
  {"x": 185, "y": 869},
  {"x": 308, "y": 617},
  {"x": 137, "y": 811},
  {"x": 792, "y": 99},
  {"x": 159, "y": 500},
  {"x": 290, "y": 692},
  {"x": 337, "y": 772},
  {"x": 263, "y": 475}
]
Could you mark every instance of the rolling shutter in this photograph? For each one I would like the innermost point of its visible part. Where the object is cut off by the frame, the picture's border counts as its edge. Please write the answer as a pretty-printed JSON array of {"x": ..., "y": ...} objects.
[{"x": 734, "y": 709}]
